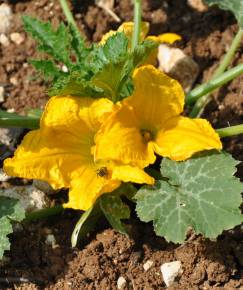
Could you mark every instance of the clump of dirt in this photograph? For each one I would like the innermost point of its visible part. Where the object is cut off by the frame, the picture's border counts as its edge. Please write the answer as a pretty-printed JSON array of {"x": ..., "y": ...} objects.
[{"x": 108, "y": 255}]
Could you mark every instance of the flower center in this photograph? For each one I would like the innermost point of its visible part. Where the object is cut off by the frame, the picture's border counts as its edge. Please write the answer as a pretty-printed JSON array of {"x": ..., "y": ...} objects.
[
  {"x": 147, "y": 135},
  {"x": 102, "y": 172}
]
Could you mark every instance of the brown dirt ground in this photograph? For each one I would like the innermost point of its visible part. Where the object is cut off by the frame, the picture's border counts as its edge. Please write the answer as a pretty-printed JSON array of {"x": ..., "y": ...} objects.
[{"x": 106, "y": 255}]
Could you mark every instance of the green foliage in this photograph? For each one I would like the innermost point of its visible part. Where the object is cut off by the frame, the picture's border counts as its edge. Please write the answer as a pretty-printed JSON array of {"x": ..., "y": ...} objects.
[
  {"x": 115, "y": 210},
  {"x": 201, "y": 193},
  {"x": 55, "y": 43},
  {"x": 10, "y": 210},
  {"x": 235, "y": 6},
  {"x": 95, "y": 71}
]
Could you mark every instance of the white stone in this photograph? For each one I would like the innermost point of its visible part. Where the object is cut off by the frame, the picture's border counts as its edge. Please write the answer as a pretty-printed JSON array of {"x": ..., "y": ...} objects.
[
  {"x": 147, "y": 265},
  {"x": 6, "y": 17},
  {"x": 198, "y": 5},
  {"x": 170, "y": 271},
  {"x": 4, "y": 40},
  {"x": 16, "y": 38},
  {"x": 30, "y": 198},
  {"x": 64, "y": 69},
  {"x": 51, "y": 241},
  {"x": 13, "y": 81},
  {"x": 5, "y": 137},
  {"x": 174, "y": 62},
  {"x": 121, "y": 282},
  {"x": 1, "y": 94},
  {"x": 3, "y": 176}
]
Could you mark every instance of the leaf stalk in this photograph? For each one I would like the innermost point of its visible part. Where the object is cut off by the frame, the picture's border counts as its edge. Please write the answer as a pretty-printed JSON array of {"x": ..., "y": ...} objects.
[
  {"x": 203, "y": 100},
  {"x": 137, "y": 23}
]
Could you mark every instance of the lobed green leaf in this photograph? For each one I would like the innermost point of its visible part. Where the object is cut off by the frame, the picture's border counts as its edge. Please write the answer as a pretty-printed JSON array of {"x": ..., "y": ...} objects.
[
  {"x": 55, "y": 43},
  {"x": 115, "y": 210},
  {"x": 201, "y": 193},
  {"x": 10, "y": 210}
]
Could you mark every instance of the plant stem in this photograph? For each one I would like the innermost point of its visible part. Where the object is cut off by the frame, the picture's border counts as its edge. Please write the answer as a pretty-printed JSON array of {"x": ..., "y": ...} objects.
[
  {"x": 68, "y": 14},
  {"x": 8, "y": 120},
  {"x": 200, "y": 92},
  {"x": 230, "y": 131},
  {"x": 137, "y": 23},
  {"x": 43, "y": 213},
  {"x": 205, "y": 99},
  {"x": 230, "y": 54},
  {"x": 79, "y": 224}
]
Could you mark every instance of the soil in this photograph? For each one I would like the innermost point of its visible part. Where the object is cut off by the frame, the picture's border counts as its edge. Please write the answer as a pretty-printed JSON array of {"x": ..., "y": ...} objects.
[{"x": 106, "y": 255}]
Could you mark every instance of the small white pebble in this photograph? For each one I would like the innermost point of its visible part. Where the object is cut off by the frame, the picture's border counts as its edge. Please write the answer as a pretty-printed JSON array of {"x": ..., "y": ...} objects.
[
  {"x": 51, "y": 240},
  {"x": 6, "y": 17},
  {"x": 13, "y": 81},
  {"x": 198, "y": 5},
  {"x": 147, "y": 265},
  {"x": 178, "y": 65},
  {"x": 1, "y": 94},
  {"x": 11, "y": 110},
  {"x": 17, "y": 38},
  {"x": 4, "y": 40},
  {"x": 121, "y": 282},
  {"x": 170, "y": 271},
  {"x": 64, "y": 68},
  {"x": 3, "y": 176}
]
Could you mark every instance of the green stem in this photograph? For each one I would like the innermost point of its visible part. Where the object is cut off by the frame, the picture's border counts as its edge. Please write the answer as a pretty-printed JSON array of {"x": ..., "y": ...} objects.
[
  {"x": 68, "y": 14},
  {"x": 137, "y": 23},
  {"x": 79, "y": 224},
  {"x": 230, "y": 54},
  {"x": 199, "y": 94},
  {"x": 230, "y": 131},
  {"x": 44, "y": 213},
  {"x": 8, "y": 120},
  {"x": 205, "y": 99}
]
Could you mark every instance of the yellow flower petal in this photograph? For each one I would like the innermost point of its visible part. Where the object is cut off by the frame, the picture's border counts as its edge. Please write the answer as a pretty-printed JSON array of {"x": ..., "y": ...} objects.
[
  {"x": 120, "y": 139},
  {"x": 87, "y": 186},
  {"x": 63, "y": 141},
  {"x": 127, "y": 28},
  {"x": 41, "y": 157},
  {"x": 156, "y": 97},
  {"x": 61, "y": 111},
  {"x": 181, "y": 137},
  {"x": 165, "y": 38},
  {"x": 128, "y": 173}
]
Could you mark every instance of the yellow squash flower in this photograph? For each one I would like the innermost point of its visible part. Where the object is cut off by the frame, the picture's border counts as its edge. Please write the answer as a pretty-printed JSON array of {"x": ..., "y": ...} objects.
[
  {"x": 127, "y": 28},
  {"x": 60, "y": 152},
  {"x": 149, "y": 122}
]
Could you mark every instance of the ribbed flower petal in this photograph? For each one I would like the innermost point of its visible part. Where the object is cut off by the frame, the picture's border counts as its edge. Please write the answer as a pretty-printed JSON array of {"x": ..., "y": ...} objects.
[
  {"x": 181, "y": 137},
  {"x": 63, "y": 142},
  {"x": 87, "y": 186},
  {"x": 156, "y": 97},
  {"x": 120, "y": 139},
  {"x": 128, "y": 173}
]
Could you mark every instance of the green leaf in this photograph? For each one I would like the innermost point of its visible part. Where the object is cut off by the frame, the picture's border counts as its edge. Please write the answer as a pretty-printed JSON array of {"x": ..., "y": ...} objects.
[
  {"x": 201, "y": 193},
  {"x": 10, "y": 210},
  {"x": 55, "y": 43},
  {"x": 74, "y": 84},
  {"x": 114, "y": 50},
  {"x": 78, "y": 44},
  {"x": 46, "y": 67},
  {"x": 235, "y": 6},
  {"x": 114, "y": 210},
  {"x": 142, "y": 51}
]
